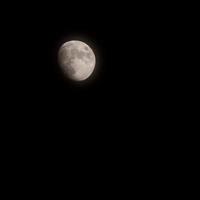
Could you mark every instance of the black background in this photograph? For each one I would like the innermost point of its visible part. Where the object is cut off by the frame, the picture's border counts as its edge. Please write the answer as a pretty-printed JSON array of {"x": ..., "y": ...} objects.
[
  {"x": 133, "y": 45},
  {"x": 118, "y": 131},
  {"x": 123, "y": 113},
  {"x": 130, "y": 90}
]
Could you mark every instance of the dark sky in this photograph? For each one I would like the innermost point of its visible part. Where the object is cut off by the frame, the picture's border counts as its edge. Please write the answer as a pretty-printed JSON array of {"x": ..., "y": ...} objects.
[
  {"x": 119, "y": 132},
  {"x": 129, "y": 90},
  {"x": 115, "y": 128}
]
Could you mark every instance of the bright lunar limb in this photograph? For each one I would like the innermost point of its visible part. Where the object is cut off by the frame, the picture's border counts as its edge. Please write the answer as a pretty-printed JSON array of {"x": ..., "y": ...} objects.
[{"x": 77, "y": 60}]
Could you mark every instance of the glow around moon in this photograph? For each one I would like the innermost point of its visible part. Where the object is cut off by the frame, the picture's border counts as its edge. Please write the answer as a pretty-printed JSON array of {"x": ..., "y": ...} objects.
[{"x": 77, "y": 60}]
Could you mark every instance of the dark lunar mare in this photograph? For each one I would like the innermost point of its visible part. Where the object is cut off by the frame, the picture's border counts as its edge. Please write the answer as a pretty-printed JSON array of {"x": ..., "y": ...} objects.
[{"x": 77, "y": 53}]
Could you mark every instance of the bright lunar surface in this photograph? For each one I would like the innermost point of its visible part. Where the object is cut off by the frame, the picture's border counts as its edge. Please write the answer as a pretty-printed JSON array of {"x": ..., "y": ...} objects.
[{"x": 77, "y": 60}]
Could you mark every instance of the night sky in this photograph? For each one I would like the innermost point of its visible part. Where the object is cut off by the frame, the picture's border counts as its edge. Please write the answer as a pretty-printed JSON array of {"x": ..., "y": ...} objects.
[
  {"x": 118, "y": 128},
  {"x": 126, "y": 96}
]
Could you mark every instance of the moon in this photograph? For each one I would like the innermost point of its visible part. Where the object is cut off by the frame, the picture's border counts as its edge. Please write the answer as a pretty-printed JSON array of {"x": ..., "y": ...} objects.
[{"x": 76, "y": 60}]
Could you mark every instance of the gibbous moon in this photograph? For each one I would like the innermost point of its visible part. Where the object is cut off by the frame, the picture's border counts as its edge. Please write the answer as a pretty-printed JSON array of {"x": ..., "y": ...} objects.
[{"x": 77, "y": 60}]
